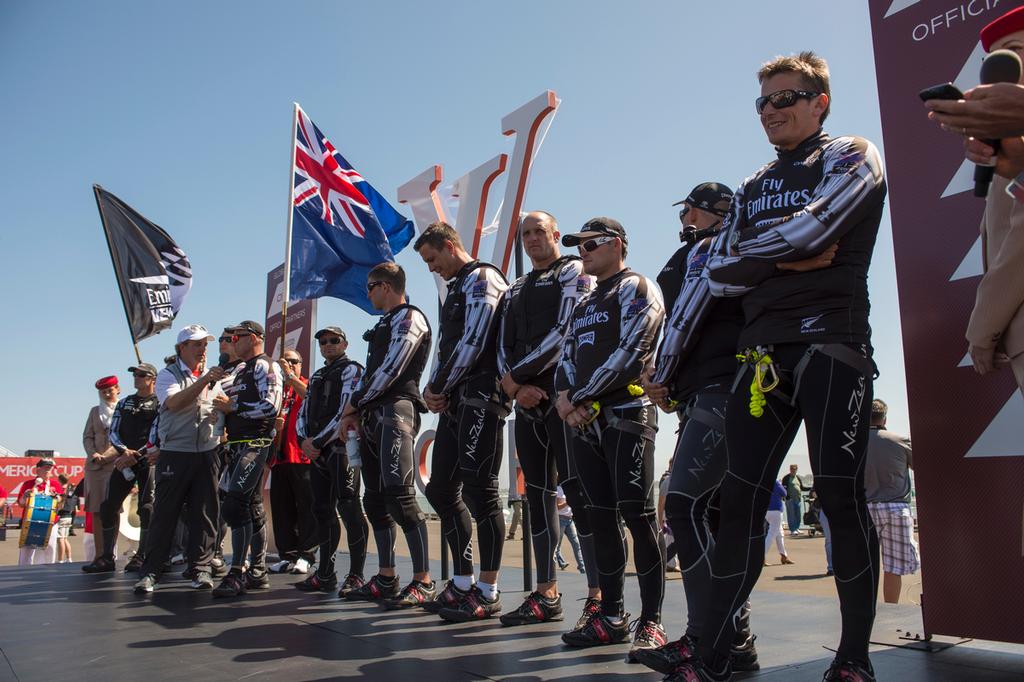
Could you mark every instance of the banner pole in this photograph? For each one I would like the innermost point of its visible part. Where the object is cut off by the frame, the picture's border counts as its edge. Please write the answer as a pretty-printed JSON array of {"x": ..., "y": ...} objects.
[
  {"x": 288, "y": 232},
  {"x": 117, "y": 273}
]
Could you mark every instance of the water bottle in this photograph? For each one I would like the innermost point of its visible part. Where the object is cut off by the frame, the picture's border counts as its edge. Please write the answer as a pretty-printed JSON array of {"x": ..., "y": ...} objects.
[{"x": 352, "y": 449}]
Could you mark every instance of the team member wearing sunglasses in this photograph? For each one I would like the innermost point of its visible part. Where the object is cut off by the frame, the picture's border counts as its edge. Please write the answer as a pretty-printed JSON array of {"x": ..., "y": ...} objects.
[
  {"x": 464, "y": 389},
  {"x": 533, "y": 326},
  {"x": 335, "y": 483},
  {"x": 130, "y": 428},
  {"x": 251, "y": 404},
  {"x": 386, "y": 408},
  {"x": 806, "y": 353},
  {"x": 610, "y": 342}
]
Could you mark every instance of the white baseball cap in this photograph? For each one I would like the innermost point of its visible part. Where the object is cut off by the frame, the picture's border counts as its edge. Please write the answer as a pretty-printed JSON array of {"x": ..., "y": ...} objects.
[{"x": 194, "y": 332}]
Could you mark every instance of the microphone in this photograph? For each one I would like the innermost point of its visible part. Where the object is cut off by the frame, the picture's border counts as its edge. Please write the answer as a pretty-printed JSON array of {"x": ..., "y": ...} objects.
[
  {"x": 1002, "y": 66},
  {"x": 691, "y": 235}
]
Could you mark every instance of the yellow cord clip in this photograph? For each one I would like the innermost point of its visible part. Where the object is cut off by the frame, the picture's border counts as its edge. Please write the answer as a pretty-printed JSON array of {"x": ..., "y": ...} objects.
[{"x": 763, "y": 366}]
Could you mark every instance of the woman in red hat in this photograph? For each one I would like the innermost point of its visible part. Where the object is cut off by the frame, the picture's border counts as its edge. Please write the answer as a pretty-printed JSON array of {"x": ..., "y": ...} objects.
[{"x": 99, "y": 456}]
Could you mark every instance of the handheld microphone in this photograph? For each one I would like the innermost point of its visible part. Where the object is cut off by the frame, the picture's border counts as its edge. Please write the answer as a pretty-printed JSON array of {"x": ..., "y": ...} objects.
[
  {"x": 1002, "y": 66},
  {"x": 691, "y": 235}
]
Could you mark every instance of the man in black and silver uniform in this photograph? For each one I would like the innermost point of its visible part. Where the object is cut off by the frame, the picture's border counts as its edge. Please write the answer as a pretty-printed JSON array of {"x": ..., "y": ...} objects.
[
  {"x": 533, "y": 326},
  {"x": 335, "y": 483},
  {"x": 130, "y": 429},
  {"x": 609, "y": 345},
  {"x": 386, "y": 408},
  {"x": 250, "y": 406},
  {"x": 464, "y": 389},
  {"x": 806, "y": 348}
]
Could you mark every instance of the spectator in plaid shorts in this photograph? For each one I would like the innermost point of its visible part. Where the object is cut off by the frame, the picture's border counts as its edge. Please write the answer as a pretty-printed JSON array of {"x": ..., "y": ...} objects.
[{"x": 887, "y": 486}]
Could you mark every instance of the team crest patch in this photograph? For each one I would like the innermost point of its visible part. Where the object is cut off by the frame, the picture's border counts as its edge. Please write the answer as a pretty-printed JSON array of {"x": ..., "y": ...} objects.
[
  {"x": 635, "y": 307},
  {"x": 405, "y": 325},
  {"x": 479, "y": 289},
  {"x": 583, "y": 284}
]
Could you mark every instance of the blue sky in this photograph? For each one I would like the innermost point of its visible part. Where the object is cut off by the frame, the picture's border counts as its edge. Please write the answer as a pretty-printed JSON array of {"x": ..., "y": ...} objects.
[{"x": 183, "y": 109}]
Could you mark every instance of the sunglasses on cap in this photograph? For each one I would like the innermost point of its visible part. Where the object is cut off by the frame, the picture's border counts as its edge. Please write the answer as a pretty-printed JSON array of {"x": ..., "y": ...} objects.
[
  {"x": 330, "y": 341},
  {"x": 592, "y": 244},
  {"x": 782, "y": 99}
]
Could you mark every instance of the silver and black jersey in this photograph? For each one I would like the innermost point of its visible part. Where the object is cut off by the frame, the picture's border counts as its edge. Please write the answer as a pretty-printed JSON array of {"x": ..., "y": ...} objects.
[
  {"x": 255, "y": 390},
  {"x": 699, "y": 345},
  {"x": 670, "y": 279},
  {"x": 132, "y": 422},
  {"x": 399, "y": 345},
  {"x": 535, "y": 319},
  {"x": 327, "y": 394},
  {"x": 611, "y": 340},
  {"x": 467, "y": 346},
  {"x": 826, "y": 191}
]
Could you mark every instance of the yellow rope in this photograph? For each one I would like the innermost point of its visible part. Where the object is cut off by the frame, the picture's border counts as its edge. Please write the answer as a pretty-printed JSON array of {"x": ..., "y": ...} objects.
[{"x": 763, "y": 366}]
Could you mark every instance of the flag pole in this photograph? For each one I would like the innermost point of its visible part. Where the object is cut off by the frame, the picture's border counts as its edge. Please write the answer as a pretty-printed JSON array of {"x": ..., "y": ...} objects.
[
  {"x": 117, "y": 273},
  {"x": 288, "y": 233}
]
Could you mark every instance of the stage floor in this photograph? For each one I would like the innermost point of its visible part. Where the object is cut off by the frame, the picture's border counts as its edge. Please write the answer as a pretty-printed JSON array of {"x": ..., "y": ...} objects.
[{"x": 59, "y": 623}]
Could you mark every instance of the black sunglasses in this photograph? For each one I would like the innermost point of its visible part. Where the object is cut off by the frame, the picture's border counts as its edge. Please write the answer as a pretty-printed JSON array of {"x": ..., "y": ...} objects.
[
  {"x": 291, "y": 361},
  {"x": 370, "y": 287},
  {"x": 141, "y": 375},
  {"x": 228, "y": 339},
  {"x": 592, "y": 244},
  {"x": 331, "y": 341},
  {"x": 683, "y": 212},
  {"x": 782, "y": 99}
]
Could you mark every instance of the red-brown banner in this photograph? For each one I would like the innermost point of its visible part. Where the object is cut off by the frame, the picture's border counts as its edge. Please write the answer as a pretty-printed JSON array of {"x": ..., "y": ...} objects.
[
  {"x": 301, "y": 322},
  {"x": 968, "y": 430},
  {"x": 16, "y": 470}
]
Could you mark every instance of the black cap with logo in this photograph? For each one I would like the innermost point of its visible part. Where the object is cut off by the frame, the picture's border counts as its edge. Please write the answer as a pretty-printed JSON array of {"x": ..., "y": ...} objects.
[
  {"x": 713, "y": 197},
  {"x": 596, "y": 227},
  {"x": 331, "y": 330},
  {"x": 247, "y": 327},
  {"x": 143, "y": 368}
]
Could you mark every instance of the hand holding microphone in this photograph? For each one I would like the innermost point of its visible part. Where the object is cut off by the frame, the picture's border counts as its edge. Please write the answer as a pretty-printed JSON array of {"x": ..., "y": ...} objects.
[{"x": 1002, "y": 66}]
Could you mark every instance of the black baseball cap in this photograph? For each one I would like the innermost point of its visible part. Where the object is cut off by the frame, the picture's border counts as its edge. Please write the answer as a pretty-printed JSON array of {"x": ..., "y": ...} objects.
[
  {"x": 713, "y": 197},
  {"x": 596, "y": 227},
  {"x": 45, "y": 462},
  {"x": 331, "y": 330},
  {"x": 247, "y": 326},
  {"x": 143, "y": 368}
]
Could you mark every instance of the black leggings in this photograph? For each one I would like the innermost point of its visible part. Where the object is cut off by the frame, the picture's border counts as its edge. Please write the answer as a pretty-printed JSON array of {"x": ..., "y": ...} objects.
[
  {"x": 336, "y": 491},
  {"x": 242, "y": 503},
  {"x": 542, "y": 445},
  {"x": 466, "y": 459},
  {"x": 615, "y": 461},
  {"x": 291, "y": 501},
  {"x": 389, "y": 431},
  {"x": 834, "y": 403},
  {"x": 118, "y": 488},
  {"x": 691, "y": 505}
]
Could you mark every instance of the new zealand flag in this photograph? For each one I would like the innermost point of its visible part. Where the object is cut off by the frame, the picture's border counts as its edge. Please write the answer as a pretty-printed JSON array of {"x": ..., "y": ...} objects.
[{"x": 341, "y": 226}]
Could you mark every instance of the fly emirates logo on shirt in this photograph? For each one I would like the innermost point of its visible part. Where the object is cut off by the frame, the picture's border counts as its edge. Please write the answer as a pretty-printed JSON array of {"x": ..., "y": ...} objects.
[
  {"x": 589, "y": 318},
  {"x": 774, "y": 196}
]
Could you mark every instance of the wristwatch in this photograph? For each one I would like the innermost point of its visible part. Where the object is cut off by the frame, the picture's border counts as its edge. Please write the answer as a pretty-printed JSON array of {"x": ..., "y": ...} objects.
[{"x": 1016, "y": 188}]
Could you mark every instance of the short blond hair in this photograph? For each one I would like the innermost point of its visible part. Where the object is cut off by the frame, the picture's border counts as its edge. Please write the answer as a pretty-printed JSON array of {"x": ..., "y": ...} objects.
[{"x": 812, "y": 69}]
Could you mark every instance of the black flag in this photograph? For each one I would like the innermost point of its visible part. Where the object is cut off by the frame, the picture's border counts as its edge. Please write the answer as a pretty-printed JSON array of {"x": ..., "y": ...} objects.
[{"x": 153, "y": 274}]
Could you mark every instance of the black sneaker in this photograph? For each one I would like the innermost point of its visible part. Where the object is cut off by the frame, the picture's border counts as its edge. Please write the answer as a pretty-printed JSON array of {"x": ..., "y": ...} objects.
[
  {"x": 843, "y": 670},
  {"x": 535, "y": 609},
  {"x": 218, "y": 567},
  {"x": 744, "y": 656},
  {"x": 598, "y": 631},
  {"x": 146, "y": 585},
  {"x": 412, "y": 595},
  {"x": 472, "y": 605},
  {"x": 449, "y": 596},
  {"x": 100, "y": 565},
  {"x": 375, "y": 589},
  {"x": 257, "y": 580},
  {"x": 202, "y": 580},
  {"x": 134, "y": 564},
  {"x": 316, "y": 583},
  {"x": 668, "y": 657},
  {"x": 695, "y": 671},
  {"x": 591, "y": 608},
  {"x": 233, "y": 585},
  {"x": 352, "y": 582},
  {"x": 647, "y": 635}
]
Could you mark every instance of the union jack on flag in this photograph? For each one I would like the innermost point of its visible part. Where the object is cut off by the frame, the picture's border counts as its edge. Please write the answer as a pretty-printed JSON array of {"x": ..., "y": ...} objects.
[{"x": 342, "y": 226}]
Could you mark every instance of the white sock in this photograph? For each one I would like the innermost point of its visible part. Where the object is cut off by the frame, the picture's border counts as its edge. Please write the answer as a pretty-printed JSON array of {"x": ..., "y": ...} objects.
[
  {"x": 463, "y": 582},
  {"x": 489, "y": 591}
]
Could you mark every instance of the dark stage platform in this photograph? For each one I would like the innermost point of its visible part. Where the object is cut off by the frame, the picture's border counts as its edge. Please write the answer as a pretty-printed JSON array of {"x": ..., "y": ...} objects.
[{"x": 61, "y": 624}]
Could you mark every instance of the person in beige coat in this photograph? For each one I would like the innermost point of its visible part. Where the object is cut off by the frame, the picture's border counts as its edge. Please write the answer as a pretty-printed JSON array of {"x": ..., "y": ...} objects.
[
  {"x": 99, "y": 454},
  {"x": 995, "y": 333}
]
